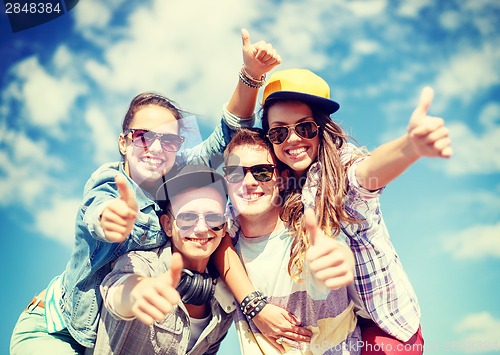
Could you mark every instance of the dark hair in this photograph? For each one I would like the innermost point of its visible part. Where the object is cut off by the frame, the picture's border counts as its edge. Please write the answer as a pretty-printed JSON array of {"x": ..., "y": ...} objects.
[
  {"x": 247, "y": 136},
  {"x": 154, "y": 99},
  {"x": 329, "y": 206}
]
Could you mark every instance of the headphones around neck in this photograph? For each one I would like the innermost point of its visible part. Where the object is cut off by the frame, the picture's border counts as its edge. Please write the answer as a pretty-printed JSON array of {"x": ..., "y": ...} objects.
[{"x": 196, "y": 288}]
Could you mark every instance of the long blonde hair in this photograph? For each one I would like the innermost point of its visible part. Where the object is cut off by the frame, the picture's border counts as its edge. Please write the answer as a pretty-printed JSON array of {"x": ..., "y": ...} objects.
[{"x": 332, "y": 189}]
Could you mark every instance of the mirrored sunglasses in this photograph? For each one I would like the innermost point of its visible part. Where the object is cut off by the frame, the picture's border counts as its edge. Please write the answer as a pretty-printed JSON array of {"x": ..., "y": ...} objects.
[
  {"x": 187, "y": 220},
  {"x": 261, "y": 172},
  {"x": 144, "y": 139},
  {"x": 306, "y": 130}
]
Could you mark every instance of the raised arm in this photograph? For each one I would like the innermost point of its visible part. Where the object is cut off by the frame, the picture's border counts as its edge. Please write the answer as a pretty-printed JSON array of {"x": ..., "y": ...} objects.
[
  {"x": 258, "y": 59},
  {"x": 427, "y": 136}
]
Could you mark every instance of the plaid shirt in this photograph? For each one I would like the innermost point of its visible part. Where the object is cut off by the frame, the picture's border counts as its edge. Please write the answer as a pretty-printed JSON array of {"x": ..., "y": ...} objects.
[
  {"x": 381, "y": 290},
  {"x": 380, "y": 281}
]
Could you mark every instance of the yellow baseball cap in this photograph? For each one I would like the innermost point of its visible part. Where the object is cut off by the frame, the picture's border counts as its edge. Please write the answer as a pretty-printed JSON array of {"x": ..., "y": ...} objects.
[{"x": 300, "y": 85}]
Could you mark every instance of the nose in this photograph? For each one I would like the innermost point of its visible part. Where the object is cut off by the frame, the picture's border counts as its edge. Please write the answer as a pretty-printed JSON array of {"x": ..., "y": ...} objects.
[
  {"x": 249, "y": 179},
  {"x": 292, "y": 135},
  {"x": 155, "y": 146},
  {"x": 200, "y": 226}
]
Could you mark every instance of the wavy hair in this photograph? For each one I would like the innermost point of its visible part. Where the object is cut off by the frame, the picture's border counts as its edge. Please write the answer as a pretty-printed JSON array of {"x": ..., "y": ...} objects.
[{"x": 332, "y": 189}]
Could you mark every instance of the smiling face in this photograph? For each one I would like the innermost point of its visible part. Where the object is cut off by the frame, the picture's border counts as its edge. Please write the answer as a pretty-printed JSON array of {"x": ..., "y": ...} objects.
[
  {"x": 253, "y": 199},
  {"x": 146, "y": 166},
  {"x": 296, "y": 152},
  {"x": 197, "y": 243}
]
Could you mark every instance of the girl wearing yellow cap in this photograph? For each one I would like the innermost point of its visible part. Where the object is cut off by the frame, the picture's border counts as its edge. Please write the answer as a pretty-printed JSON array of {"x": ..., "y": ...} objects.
[{"x": 343, "y": 184}]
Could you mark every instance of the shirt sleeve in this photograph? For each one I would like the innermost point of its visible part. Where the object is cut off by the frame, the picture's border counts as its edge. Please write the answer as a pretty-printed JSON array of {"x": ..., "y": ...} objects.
[
  {"x": 210, "y": 151},
  {"x": 140, "y": 262}
]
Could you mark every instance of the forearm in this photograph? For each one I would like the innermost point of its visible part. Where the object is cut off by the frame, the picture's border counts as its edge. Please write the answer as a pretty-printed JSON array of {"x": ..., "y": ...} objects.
[
  {"x": 386, "y": 163},
  {"x": 244, "y": 98},
  {"x": 231, "y": 269}
]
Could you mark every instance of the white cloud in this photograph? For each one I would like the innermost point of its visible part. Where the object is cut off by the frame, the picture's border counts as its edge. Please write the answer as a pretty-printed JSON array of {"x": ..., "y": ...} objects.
[
  {"x": 57, "y": 220},
  {"x": 24, "y": 168},
  {"x": 474, "y": 153},
  {"x": 102, "y": 136},
  {"x": 489, "y": 117},
  {"x": 365, "y": 47},
  {"x": 91, "y": 14},
  {"x": 411, "y": 8},
  {"x": 367, "y": 8},
  {"x": 470, "y": 71},
  {"x": 475, "y": 242},
  {"x": 478, "y": 333},
  {"x": 195, "y": 62},
  {"x": 451, "y": 20},
  {"x": 47, "y": 99}
]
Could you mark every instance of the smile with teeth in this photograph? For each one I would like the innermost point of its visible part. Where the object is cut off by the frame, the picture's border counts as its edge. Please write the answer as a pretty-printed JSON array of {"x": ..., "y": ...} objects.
[
  {"x": 199, "y": 240},
  {"x": 152, "y": 161},
  {"x": 250, "y": 196},
  {"x": 296, "y": 151}
]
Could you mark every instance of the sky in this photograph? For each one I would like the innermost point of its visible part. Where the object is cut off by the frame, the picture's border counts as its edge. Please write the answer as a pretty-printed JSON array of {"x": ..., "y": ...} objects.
[{"x": 65, "y": 86}]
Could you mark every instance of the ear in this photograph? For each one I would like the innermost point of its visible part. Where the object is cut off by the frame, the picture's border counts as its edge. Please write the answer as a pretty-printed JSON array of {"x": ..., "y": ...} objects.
[
  {"x": 166, "y": 223},
  {"x": 122, "y": 144}
]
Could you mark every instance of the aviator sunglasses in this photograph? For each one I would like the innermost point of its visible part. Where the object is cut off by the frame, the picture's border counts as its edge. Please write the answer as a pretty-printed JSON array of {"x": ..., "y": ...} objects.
[
  {"x": 187, "y": 220},
  {"x": 306, "y": 130},
  {"x": 144, "y": 139},
  {"x": 261, "y": 172}
]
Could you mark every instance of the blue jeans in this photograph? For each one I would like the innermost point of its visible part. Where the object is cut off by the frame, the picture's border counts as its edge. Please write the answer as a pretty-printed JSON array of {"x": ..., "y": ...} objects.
[{"x": 30, "y": 336}]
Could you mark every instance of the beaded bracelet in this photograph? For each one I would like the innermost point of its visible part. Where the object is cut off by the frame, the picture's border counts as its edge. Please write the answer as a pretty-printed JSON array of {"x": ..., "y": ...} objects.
[{"x": 250, "y": 81}]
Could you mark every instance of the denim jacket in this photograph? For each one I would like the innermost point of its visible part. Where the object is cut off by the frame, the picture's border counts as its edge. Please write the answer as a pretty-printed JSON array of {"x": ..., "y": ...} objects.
[{"x": 80, "y": 299}]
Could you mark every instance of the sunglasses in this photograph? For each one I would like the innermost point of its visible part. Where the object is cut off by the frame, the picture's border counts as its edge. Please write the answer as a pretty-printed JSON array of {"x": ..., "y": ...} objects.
[
  {"x": 306, "y": 130},
  {"x": 144, "y": 139},
  {"x": 261, "y": 172},
  {"x": 187, "y": 220}
]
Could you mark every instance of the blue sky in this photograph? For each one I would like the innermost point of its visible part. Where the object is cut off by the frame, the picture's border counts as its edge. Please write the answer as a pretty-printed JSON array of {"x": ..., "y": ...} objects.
[{"x": 65, "y": 85}]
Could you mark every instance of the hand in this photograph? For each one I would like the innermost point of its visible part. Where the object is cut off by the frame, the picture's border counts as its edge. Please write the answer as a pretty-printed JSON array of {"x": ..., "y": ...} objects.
[
  {"x": 258, "y": 58},
  {"x": 154, "y": 297},
  {"x": 275, "y": 322},
  {"x": 428, "y": 135},
  {"x": 331, "y": 262},
  {"x": 117, "y": 219}
]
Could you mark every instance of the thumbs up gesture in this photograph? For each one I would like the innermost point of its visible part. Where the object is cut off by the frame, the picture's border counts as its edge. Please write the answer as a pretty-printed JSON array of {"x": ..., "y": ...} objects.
[
  {"x": 331, "y": 262},
  {"x": 154, "y": 297},
  {"x": 428, "y": 135},
  {"x": 258, "y": 58},
  {"x": 117, "y": 219}
]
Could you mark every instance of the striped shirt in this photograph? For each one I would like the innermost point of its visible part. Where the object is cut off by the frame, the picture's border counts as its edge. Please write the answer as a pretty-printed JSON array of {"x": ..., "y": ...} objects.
[
  {"x": 328, "y": 314},
  {"x": 53, "y": 313}
]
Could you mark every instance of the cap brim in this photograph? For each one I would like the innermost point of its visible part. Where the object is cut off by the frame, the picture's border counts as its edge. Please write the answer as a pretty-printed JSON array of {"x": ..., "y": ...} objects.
[
  {"x": 326, "y": 105},
  {"x": 188, "y": 180}
]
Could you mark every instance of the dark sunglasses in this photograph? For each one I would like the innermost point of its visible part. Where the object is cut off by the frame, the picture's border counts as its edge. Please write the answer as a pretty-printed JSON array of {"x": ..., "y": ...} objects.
[
  {"x": 187, "y": 220},
  {"x": 261, "y": 172},
  {"x": 144, "y": 139},
  {"x": 306, "y": 130}
]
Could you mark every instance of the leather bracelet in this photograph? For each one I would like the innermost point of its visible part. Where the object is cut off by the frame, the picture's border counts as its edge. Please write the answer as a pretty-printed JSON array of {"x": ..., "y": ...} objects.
[
  {"x": 259, "y": 307},
  {"x": 249, "y": 298}
]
